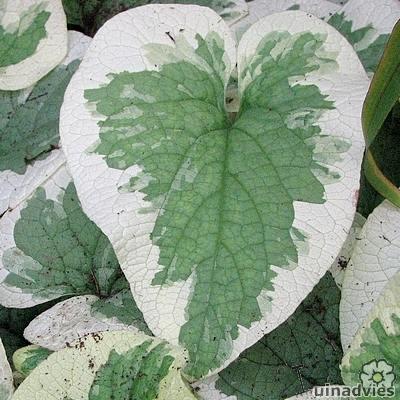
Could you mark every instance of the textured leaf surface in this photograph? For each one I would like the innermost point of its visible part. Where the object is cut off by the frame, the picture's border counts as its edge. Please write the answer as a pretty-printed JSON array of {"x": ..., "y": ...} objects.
[
  {"x": 261, "y": 8},
  {"x": 366, "y": 24},
  {"x": 90, "y": 15},
  {"x": 103, "y": 366},
  {"x": 33, "y": 40},
  {"x": 6, "y": 378},
  {"x": 222, "y": 227},
  {"x": 377, "y": 345},
  {"x": 71, "y": 319},
  {"x": 374, "y": 262},
  {"x": 302, "y": 352},
  {"x": 29, "y": 121},
  {"x": 27, "y": 358}
]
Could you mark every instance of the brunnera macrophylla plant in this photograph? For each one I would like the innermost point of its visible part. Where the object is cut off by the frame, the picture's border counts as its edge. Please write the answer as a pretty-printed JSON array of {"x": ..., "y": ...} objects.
[
  {"x": 222, "y": 222},
  {"x": 33, "y": 40}
]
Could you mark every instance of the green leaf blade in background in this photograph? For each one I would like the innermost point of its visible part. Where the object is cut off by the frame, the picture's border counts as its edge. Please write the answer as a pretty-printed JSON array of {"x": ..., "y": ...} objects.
[{"x": 384, "y": 91}]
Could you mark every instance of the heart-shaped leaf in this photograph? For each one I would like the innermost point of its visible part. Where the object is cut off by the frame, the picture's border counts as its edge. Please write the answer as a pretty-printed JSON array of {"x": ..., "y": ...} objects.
[
  {"x": 222, "y": 223},
  {"x": 33, "y": 40}
]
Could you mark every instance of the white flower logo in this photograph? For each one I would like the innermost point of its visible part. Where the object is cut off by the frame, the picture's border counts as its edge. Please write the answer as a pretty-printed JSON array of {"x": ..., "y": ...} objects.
[{"x": 377, "y": 373}]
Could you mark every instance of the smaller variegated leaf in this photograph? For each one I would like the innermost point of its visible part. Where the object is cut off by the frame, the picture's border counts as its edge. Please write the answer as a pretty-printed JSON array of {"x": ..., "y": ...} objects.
[
  {"x": 373, "y": 360},
  {"x": 110, "y": 365},
  {"x": 33, "y": 40},
  {"x": 27, "y": 358}
]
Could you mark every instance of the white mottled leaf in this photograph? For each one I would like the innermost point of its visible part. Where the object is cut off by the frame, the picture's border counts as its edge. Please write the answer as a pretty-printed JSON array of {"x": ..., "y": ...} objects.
[
  {"x": 374, "y": 261},
  {"x": 373, "y": 359},
  {"x": 108, "y": 365},
  {"x": 338, "y": 269},
  {"x": 261, "y": 8},
  {"x": 6, "y": 378},
  {"x": 222, "y": 223},
  {"x": 33, "y": 40},
  {"x": 29, "y": 122},
  {"x": 69, "y": 320}
]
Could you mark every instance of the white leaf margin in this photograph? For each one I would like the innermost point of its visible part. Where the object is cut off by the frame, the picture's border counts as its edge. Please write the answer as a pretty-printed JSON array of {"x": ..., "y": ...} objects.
[
  {"x": 15, "y": 188},
  {"x": 58, "y": 179},
  {"x": 6, "y": 376},
  {"x": 117, "y": 214},
  {"x": 374, "y": 262},
  {"x": 49, "y": 52},
  {"x": 69, "y": 320}
]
